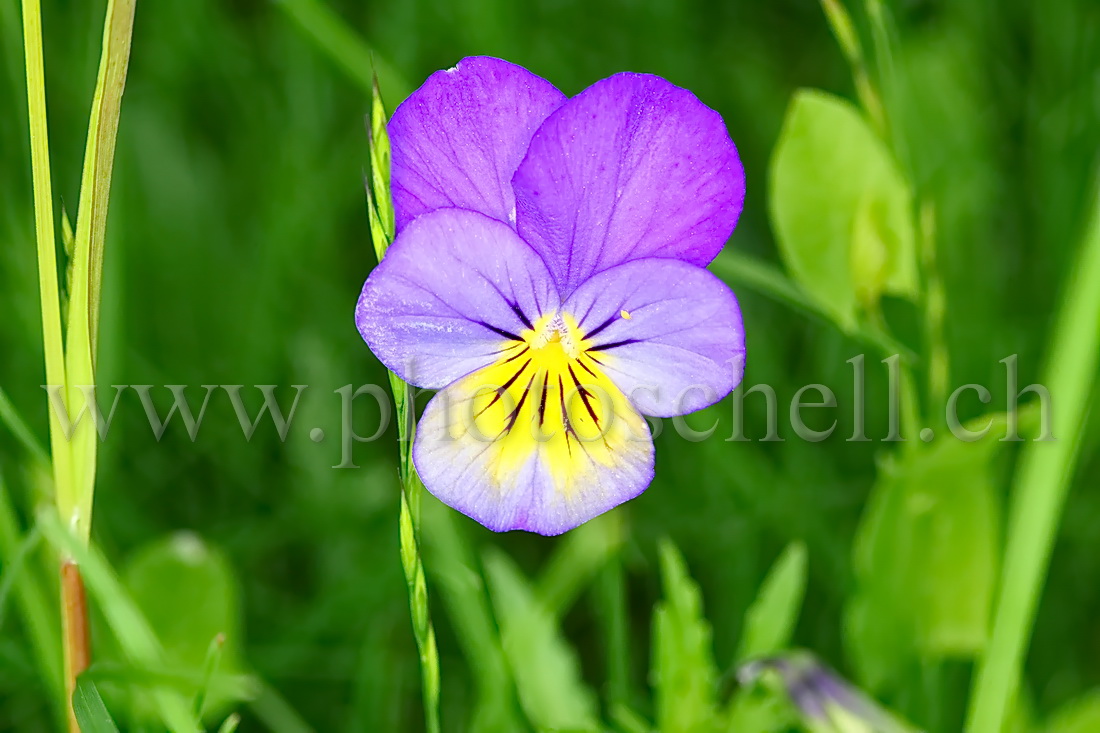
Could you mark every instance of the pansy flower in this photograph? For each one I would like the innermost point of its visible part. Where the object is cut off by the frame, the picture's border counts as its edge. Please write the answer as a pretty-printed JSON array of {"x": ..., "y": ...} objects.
[{"x": 548, "y": 278}]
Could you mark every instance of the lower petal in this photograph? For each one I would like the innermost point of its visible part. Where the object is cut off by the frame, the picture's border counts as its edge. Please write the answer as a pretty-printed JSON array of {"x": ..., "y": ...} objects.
[{"x": 528, "y": 443}]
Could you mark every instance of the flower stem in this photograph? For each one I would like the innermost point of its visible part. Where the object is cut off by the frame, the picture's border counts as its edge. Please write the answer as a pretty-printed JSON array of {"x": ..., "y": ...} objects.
[{"x": 381, "y": 218}]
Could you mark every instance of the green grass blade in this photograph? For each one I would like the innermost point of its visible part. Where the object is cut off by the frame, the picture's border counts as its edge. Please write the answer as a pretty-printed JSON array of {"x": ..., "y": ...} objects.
[
  {"x": 1040, "y": 486},
  {"x": 47, "y": 244},
  {"x": 614, "y": 620},
  {"x": 840, "y": 22},
  {"x": 91, "y": 713},
  {"x": 14, "y": 567},
  {"x": 333, "y": 36},
  {"x": 275, "y": 712},
  {"x": 35, "y": 611},
  {"x": 87, "y": 264},
  {"x": 237, "y": 685},
  {"x": 17, "y": 425},
  {"x": 209, "y": 667}
]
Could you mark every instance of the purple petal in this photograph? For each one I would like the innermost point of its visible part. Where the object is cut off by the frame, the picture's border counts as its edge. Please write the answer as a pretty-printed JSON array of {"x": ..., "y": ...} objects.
[
  {"x": 450, "y": 293},
  {"x": 512, "y": 447},
  {"x": 669, "y": 334},
  {"x": 632, "y": 167},
  {"x": 458, "y": 139}
]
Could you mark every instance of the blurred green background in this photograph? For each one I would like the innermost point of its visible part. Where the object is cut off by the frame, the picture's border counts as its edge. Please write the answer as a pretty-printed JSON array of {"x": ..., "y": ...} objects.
[{"x": 237, "y": 244}]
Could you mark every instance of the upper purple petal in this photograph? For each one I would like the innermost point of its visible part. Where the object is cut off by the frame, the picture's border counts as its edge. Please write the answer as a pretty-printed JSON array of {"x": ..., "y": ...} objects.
[
  {"x": 458, "y": 139},
  {"x": 451, "y": 289},
  {"x": 667, "y": 333},
  {"x": 631, "y": 167}
]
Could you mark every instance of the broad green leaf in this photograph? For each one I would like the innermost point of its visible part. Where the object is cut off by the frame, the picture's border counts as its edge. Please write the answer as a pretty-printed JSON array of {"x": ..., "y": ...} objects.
[
  {"x": 770, "y": 621},
  {"x": 925, "y": 557},
  {"x": 187, "y": 591},
  {"x": 684, "y": 676},
  {"x": 544, "y": 666},
  {"x": 868, "y": 254},
  {"x": 840, "y": 208},
  {"x": 91, "y": 714},
  {"x": 1081, "y": 715}
]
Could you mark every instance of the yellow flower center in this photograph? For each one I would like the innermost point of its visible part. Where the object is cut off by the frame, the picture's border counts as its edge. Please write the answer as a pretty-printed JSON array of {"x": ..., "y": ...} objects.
[{"x": 547, "y": 393}]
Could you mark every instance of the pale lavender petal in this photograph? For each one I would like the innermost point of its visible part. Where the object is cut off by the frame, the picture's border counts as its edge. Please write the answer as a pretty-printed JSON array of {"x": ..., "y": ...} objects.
[
  {"x": 632, "y": 167},
  {"x": 458, "y": 139},
  {"x": 509, "y": 479},
  {"x": 825, "y": 700},
  {"x": 669, "y": 334},
  {"x": 452, "y": 291}
]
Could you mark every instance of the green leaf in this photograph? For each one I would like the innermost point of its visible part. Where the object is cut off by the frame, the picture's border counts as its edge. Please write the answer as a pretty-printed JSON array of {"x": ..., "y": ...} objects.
[
  {"x": 840, "y": 208},
  {"x": 544, "y": 666},
  {"x": 925, "y": 558},
  {"x": 91, "y": 714},
  {"x": 770, "y": 621},
  {"x": 187, "y": 591},
  {"x": 684, "y": 676}
]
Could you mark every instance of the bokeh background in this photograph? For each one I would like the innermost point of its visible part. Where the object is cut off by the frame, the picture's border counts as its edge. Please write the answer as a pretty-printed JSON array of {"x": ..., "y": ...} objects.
[{"x": 238, "y": 242}]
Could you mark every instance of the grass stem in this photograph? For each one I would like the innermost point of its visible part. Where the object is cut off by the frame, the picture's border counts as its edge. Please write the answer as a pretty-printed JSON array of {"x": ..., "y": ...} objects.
[{"x": 1041, "y": 483}]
